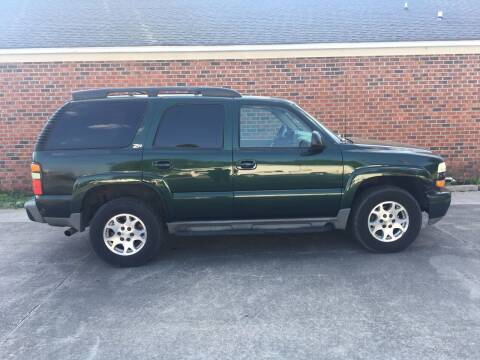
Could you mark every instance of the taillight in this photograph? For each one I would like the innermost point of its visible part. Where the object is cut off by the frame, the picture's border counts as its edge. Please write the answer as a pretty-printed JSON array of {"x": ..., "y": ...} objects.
[{"x": 36, "y": 179}]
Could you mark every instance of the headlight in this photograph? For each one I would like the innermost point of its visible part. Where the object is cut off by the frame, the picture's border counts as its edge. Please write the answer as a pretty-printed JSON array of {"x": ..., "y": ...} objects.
[{"x": 442, "y": 169}]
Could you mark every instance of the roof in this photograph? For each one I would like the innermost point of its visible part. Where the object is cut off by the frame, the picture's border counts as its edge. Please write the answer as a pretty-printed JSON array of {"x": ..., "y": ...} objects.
[{"x": 123, "y": 23}]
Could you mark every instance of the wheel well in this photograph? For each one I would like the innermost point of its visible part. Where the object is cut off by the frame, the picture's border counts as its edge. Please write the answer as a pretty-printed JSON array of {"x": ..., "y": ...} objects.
[
  {"x": 415, "y": 187},
  {"x": 98, "y": 196}
]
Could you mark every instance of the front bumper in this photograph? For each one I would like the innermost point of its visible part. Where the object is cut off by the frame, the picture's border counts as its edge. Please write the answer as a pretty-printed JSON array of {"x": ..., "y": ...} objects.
[
  {"x": 438, "y": 203},
  {"x": 34, "y": 214}
]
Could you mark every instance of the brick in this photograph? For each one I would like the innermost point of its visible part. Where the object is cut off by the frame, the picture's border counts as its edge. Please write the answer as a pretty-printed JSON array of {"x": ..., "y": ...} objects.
[{"x": 428, "y": 101}]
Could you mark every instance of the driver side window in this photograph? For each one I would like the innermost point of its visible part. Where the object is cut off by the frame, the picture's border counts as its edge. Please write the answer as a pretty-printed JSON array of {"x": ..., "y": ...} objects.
[{"x": 271, "y": 126}]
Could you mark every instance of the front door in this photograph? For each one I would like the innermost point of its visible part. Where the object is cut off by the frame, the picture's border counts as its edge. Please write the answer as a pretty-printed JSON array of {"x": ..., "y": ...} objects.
[
  {"x": 188, "y": 157},
  {"x": 275, "y": 174}
]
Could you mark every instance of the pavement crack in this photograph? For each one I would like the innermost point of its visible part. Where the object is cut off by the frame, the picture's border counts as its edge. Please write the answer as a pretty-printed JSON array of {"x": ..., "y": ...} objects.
[
  {"x": 34, "y": 309},
  {"x": 451, "y": 235}
]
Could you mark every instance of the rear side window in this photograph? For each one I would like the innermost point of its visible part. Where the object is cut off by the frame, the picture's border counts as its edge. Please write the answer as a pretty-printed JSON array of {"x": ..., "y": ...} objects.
[
  {"x": 93, "y": 125},
  {"x": 191, "y": 126}
]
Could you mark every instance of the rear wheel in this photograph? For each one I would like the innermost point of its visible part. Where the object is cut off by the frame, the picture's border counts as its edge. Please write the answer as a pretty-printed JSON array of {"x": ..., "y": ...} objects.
[
  {"x": 386, "y": 219},
  {"x": 126, "y": 232}
]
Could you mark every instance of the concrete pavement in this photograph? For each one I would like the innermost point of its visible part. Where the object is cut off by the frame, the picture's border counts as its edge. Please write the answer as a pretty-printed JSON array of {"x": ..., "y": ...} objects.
[{"x": 239, "y": 297}]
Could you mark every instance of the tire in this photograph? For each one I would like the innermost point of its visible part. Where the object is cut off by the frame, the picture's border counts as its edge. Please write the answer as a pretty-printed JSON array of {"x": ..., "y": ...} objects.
[
  {"x": 386, "y": 219},
  {"x": 122, "y": 248}
]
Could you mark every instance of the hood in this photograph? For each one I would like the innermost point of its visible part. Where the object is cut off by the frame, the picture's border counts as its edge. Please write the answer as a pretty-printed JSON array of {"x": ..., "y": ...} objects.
[{"x": 389, "y": 145}]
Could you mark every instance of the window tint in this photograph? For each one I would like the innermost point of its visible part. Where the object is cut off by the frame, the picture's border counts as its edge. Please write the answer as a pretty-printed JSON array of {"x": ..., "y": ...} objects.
[
  {"x": 264, "y": 126},
  {"x": 94, "y": 125},
  {"x": 191, "y": 126}
]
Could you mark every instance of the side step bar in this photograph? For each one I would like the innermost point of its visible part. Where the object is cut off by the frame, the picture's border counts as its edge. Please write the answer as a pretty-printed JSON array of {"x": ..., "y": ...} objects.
[{"x": 251, "y": 226}]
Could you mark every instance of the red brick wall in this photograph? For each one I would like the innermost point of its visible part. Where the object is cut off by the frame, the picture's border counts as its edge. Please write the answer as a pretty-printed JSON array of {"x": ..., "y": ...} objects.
[{"x": 430, "y": 101}]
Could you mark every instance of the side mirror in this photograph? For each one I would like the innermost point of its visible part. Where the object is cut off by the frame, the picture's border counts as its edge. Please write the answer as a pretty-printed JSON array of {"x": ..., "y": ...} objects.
[{"x": 316, "y": 143}]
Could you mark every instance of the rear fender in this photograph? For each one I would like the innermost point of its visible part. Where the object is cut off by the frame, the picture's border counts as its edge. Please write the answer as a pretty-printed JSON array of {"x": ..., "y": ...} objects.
[{"x": 86, "y": 184}]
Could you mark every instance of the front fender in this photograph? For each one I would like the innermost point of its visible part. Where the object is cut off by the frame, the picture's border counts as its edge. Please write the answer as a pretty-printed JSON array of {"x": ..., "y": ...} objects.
[{"x": 362, "y": 174}]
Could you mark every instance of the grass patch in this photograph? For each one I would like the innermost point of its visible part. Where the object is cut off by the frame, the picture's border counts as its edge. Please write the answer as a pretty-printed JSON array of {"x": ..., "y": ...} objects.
[
  {"x": 13, "y": 199},
  {"x": 469, "y": 181},
  {"x": 474, "y": 181}
]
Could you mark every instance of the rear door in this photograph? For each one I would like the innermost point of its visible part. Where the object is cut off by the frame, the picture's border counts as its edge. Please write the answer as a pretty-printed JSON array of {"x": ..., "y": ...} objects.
[
  {"x": 275, "y": 176},
  {"x": 188, "y": 157}
]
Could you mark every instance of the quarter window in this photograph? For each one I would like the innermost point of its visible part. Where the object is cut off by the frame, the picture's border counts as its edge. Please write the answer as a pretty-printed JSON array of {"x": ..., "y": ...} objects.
[
  {"x": 94, "y": 125},
  {"x": 191, "y": 126},
  {"x": 265, "y": 126}
]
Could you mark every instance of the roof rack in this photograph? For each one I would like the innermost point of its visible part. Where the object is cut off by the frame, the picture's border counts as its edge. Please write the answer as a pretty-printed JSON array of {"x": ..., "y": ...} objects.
[{"x": 155, "y": 91}]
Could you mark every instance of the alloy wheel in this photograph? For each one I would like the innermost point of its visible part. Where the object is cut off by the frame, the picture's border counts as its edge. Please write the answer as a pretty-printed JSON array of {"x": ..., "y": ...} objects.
[
  {"x": 125, "y": 234},
  {"x": 388, "y": 221}
]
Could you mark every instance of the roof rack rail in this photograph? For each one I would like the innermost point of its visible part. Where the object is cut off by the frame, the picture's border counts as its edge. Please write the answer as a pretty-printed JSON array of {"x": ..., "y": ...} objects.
[{"x": 155, "y": 91}]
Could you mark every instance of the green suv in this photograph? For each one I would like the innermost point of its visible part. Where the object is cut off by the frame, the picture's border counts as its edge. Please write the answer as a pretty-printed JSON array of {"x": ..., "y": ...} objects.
[{"x": 134, "y": 164}]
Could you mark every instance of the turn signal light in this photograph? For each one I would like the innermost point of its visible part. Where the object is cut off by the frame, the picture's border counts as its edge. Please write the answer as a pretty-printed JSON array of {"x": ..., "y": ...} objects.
[
  {"x": 442, "y": 170},
  {"x": 36, "y": 179}
]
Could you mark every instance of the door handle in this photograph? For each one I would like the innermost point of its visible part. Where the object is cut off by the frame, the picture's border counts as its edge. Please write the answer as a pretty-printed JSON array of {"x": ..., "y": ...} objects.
[
  {"x": 162, "y": 164},
  {"x": 246, "y": 165}
]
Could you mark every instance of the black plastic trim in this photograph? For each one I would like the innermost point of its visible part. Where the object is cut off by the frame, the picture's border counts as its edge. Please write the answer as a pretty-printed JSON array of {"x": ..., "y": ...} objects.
[{"x": 155, "y": 91}]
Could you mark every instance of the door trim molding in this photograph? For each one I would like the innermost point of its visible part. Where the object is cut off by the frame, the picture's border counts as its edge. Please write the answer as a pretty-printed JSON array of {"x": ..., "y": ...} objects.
[{"x": 286, "y": 193}]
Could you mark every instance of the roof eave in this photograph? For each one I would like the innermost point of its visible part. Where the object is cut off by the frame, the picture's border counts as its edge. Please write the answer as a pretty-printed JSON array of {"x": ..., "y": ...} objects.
[{"x": 239, "y": 51}]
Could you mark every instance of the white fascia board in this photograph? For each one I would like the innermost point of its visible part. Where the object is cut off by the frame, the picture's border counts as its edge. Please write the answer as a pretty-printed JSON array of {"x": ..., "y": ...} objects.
[{"x": 133, "y": 53}]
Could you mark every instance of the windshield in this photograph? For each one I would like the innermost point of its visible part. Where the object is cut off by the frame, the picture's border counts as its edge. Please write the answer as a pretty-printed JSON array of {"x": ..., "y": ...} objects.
[{"x": 334, "y": 136}]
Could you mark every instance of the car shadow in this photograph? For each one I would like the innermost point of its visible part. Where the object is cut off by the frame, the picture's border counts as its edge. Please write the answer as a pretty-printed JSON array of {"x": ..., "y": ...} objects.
[
  {"x": 184, "y": 251},
  {"x": 258, "y": 245}
]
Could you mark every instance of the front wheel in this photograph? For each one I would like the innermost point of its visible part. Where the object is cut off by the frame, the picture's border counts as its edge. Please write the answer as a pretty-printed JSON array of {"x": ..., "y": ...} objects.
[
  {"x": 126, "y": 232},
  {"x": 386, "y": 219}
]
